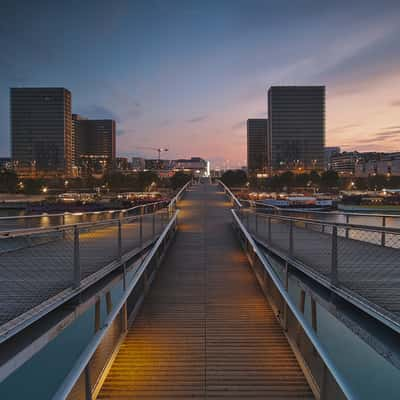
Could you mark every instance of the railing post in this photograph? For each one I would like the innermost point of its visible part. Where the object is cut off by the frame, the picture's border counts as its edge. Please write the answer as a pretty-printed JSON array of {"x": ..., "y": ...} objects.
[
  {"x": 269, "y": 229},
  {"x": 347, "y": 222},
  {"x": 88, "y": 385},
  {"x": 77, "y": 263},
  {"x": 119, "y": 239},
  {"x": 141, "y": 230},
  {"x": 256, "y": 216},
  {"x": 285, "y": 306},
  {"x": 383, "y": 237},
  {"x": 334, "y": 256},
  {"x": 124, "y": 276},
  {"x": 291, "y": 238},
  {"x": 154, "y": 222}
]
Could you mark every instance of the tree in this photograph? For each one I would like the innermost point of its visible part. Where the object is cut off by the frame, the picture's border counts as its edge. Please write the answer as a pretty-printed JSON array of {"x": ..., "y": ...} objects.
[
  {"x": 179, "y": 179},
  {"x": 377, "y": 182},
  {"x": 286, "y": 180},
  {"x": 329, "y": 180},
  {"x": 33, "y": 186},
  {"x": 302, "y": 179},
  {"x": 146, "y": 179},
  {"x": 315, "y": 177},
  {"x": 8, "y": 181},
  {"x": 234, "y": 178}
]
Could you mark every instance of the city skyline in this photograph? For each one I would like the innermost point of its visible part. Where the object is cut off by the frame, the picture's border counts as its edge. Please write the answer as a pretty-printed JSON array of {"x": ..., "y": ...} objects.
[{"x": 192, "y": 80}]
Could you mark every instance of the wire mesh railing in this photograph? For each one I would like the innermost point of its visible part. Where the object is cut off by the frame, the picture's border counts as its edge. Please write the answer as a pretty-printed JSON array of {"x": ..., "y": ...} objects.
[
  {"x": 36, "y": 265},
  {"x": 362, "y": 259},
  {"x": 39, "y": 266}
]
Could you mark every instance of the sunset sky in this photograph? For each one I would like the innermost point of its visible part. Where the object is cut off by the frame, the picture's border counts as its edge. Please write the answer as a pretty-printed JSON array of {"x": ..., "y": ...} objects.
[{"x": 187, "y": 74}]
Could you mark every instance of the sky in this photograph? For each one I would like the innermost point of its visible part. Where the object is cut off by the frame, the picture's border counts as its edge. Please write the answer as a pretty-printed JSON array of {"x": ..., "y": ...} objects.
[{"x": 186, "y": 74}]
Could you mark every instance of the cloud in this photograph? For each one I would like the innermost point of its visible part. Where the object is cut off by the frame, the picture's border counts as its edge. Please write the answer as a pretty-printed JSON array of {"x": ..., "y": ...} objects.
[
  {"x": 342, "y": 128},
  {"x": 197, "y": 119},
  {"x": 382, "y": 136},
  {"x": 395, "y": 103},
  {"x": 100, "y": 112}
]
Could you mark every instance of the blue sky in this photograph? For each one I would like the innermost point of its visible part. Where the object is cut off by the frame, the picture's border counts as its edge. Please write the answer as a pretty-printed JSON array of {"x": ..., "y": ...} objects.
[{"x": 187, "y": 74}]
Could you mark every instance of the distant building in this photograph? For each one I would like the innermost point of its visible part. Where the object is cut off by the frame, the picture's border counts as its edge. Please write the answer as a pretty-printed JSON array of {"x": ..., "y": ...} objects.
[
  {"x": 6, "y": 163},
  {"x": 122, "y": 164},
  {"x": 257, "y": 146},
  {"x": 41, "y": 129},
  {"x": 345, "y": 163},
  {"x": 94, "y": 144},
  {"x": 138, "y": 164},
  {"x": 328, "y": 153},
  {"x": 370, "y": 164},
  {"x": 296, "y": 127},
  {"x": 195, "y": 165},
  {"x": 156, "y": 164}
]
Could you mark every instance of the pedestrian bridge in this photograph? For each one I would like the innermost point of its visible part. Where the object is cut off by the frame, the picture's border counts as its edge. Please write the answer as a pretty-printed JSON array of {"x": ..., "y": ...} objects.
[{"x": 199, "y": 299}]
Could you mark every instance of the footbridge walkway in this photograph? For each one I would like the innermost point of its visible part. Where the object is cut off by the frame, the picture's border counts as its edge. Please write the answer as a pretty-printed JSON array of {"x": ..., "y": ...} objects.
[{"x": 180, "y": 302}]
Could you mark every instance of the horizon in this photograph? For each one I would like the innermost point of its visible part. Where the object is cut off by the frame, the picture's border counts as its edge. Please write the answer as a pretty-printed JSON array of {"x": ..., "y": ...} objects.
[{"x": 190, "y": 81}]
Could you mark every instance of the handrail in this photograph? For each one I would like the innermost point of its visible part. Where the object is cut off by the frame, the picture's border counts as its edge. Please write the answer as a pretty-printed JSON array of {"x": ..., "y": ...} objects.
[
  {"x": 59, "y": 228},
  {"x": 234, "y": 199},
  {"x": 337, "y": 212},
  {"x": 178, "y": 196},
  {"x": 340, "y": 379},
  {"x": 368, "y": 228},
  {"x": 87, "y": 354},
  {"x": 122, "y": 210}
]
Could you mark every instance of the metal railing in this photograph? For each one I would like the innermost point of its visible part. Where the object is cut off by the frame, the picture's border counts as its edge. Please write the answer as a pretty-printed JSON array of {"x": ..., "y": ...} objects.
[
  {"x": 370, "y": 219},
  {"x": 358, "y": 261},
  {"x": 234, "y": 200},
  {"x": 85, "y": 378},
  {"x": 325, "y": 379},
  {"x": 46, "y": 266},
  {"x": 45, "y": 220}
]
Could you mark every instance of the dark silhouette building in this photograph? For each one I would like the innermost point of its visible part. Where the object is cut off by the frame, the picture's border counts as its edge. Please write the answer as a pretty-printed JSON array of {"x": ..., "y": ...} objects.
[
  {"x": 296, "y": 129},
  {"x": 257, "y": 146},
  {"x": 41, "y": 129},
  {"x": 93, "y": 143}
]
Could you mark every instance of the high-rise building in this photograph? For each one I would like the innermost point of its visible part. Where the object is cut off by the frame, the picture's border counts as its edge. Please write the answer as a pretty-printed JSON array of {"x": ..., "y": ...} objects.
[
  {"x": 296, "y": 127},
  {"x": 93, "y": 142},
  {"x": 41, "y": 129},
  {"x": 257, "y": 146}
]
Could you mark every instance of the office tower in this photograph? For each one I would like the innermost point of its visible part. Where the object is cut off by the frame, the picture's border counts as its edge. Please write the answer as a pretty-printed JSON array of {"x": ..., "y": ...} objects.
[
  {"x": 296, "y": 131},
  {"x": 41, "y": 131},
  {"x": 257, "y": 145},
  {"x": 77, "y": 132},
  {"x": 94, "y": 143}
]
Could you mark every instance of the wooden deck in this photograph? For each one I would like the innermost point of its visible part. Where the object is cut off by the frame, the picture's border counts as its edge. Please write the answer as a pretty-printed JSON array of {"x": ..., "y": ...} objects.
[{"x": 205, "y": 329}]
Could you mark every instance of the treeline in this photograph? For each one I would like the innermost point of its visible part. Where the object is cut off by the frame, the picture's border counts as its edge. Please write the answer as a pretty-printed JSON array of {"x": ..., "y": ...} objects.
[
  {"x": 114, "y": 181},
  {"x": 327, "y": 181}
]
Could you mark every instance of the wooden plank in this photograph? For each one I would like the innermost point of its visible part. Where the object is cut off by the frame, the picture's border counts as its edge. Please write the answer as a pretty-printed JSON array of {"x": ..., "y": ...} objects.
[{"x": 205, "y": 330}]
